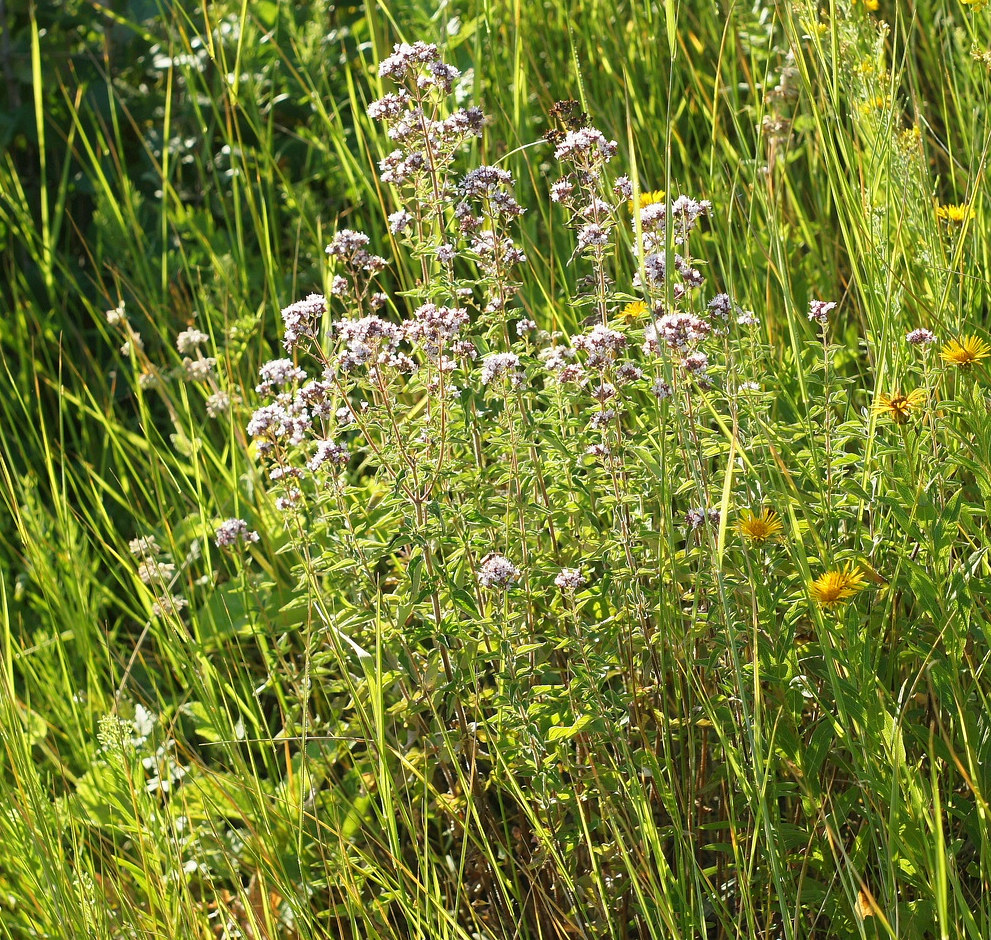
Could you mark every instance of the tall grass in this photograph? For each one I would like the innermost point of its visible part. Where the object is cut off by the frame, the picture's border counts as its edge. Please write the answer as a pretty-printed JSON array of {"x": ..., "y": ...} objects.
[{"x": 343, "y": 735}]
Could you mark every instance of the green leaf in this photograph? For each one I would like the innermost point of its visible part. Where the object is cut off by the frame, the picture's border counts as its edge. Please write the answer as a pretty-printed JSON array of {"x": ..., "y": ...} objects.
[{"x": 563, "y": 732}]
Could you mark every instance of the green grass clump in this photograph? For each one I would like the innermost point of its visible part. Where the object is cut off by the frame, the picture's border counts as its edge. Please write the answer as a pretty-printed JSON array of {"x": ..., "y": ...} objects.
[{"x": 641, "y": 618}]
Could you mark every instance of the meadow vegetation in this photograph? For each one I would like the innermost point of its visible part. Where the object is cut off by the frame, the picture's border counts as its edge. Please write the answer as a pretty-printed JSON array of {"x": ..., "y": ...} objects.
[{"x": 495, "y": 470}]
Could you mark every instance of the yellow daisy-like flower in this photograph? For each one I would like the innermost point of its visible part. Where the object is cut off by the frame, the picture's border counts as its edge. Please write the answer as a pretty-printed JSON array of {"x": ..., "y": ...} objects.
[
  {"x": 634, "y": 311},
  {"x": 899, "y": 407},
  {"x": 964, "y": 351},
  {"x": 957, "y": 214},
  {"x": 835, "y": 587},
  {"x": 759, "y": 529},
  {"x": 647, "y": 199}
]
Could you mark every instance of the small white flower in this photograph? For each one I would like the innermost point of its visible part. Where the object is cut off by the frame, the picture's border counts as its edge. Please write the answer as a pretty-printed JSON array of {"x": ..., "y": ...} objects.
[
  {"x": 152, "y": 571},
  {"x": 198, "y": 370},
  {"x": 116, "y": 316},
  {"x": 189, "y": 340},
  {"x": 819, "y": 310},
  {"x": 920, "y": 337},
  {"x": 231, "y": 531},
  {"x": 662, "y": 390},
  {"x": 168, "y": 605},
  {"x": 497, "y": 571},
  {"x": 134, "y": 345},
  {"x": 144, "y": 547},
  {"x": 570, "y": 579},
  {"x": 499, "y": 364},
  {"x": 219, "y": 403}
]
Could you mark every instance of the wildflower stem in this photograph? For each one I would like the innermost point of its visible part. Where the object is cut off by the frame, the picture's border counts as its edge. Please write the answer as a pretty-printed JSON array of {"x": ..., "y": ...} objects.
[{"x": 827, "y": 419}]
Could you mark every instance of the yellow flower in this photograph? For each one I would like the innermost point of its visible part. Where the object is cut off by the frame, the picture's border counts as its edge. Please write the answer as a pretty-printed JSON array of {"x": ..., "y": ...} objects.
[
  {"x": 647, "y": 199},
  {"x": 634, "y": 311},
  {"x": 957, "y": 214},
  {"x": 759, "y": 528},
  {"x": 965, "y": 351},
  {"x": 910, "y": 136},
  {"x": 834, "y": 587},
  {"x": 898, "y": 407},
  {"x": 880, "y": 102}
]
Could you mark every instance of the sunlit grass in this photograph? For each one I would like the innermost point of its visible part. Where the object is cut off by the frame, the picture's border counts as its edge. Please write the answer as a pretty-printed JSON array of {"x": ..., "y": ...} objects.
[{"x": 797, "y": 743}]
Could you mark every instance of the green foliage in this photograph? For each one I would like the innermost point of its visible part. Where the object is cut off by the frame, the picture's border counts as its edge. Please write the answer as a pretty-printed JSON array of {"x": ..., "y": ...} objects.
[{"x": 349, "y": 727}]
